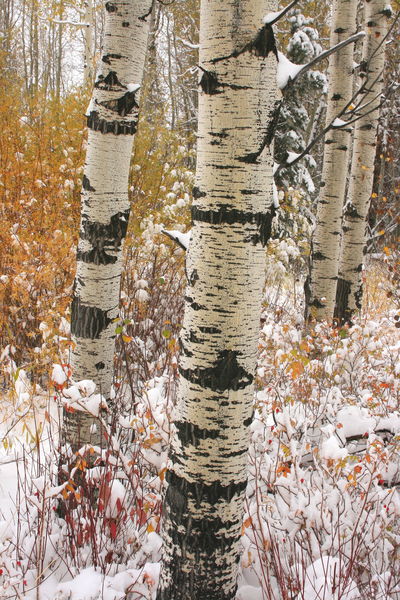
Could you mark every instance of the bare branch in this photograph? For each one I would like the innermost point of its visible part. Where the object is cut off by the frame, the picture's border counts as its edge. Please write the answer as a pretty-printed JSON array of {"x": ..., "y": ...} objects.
[
  {"x": 352, "y": 39},
  {"x": 273, "y": 17}
]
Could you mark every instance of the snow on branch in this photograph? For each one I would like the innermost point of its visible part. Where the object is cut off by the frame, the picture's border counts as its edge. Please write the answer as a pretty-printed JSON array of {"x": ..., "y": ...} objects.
[
  {"x": 182, "y": 239},
  {"x": 273, "y": 17},
  {"x": 288, "y": 72},
  {"x": 189, "y": 44}
]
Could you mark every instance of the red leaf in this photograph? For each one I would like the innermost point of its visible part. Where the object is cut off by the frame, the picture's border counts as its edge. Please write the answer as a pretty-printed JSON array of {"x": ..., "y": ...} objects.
[{"x": 113, "y": 529}]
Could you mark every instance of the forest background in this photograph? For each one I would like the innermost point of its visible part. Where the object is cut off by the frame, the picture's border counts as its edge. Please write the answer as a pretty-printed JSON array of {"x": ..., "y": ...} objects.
[{"x": 48, "y": 53}]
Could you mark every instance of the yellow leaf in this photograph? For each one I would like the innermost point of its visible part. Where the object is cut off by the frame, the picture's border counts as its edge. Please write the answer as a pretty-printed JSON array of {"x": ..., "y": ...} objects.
[
  {"x": 161, "y": 474},
  {"x": 150, "y": 528},
  {"x": 247, "y": 523},
  {"x": 150, "y": 441},
  {"x": 296, "y": 368},
  {"x": 127, "y": 338}
]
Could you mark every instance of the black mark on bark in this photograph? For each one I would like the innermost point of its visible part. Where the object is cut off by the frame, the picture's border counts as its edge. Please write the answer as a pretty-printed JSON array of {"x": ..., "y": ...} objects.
[
  {"x": 106, "y": 58},
  {"x": 123, "y": 105},
  {"x": 319, "y": 256},
  {"x": 261, "y": 45},
  {"x": 109, "y": 83},
  {"x": 96, "y": 123},
  {"x": 211, "y": 85},
  {"x": 210, "y": 330},
  {"x": 342, "y": 314},
  {"x": 230, "y": 216},
  {"x": 103, "y": 239},
  {"x": 144, "y": 17},
  {"x": 87, "y": 321},
  {"x": 111, "y": 7},
  {"x": 226, "y": 374},
  {"x": 273, "y": 119},
  {"x": 86, "y": 185},
  {"x": 197, "y": 193}
]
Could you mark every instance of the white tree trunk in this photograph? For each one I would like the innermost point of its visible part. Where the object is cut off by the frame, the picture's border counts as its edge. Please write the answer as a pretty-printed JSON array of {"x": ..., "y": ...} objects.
[
  {"x": 112, "y": 121},
  {"x": 326, "y": 238},
  {"x": 232, "y": 215},
  {"x": 349, "y": 292},
  {"x": 88, "y": 44}
]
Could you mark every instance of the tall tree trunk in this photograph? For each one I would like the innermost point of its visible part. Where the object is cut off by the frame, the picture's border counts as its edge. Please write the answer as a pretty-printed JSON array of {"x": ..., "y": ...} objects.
[
  {"x": 232, "y": 215},
  {"x": 112, "y": 121},
  {"x": 88, "y": 44},
  {"x": 349, "y": 289},
  {"x": 320, "y": 300},
  {"x": 34, "y": 48},
  {"x": 59, "y": 53}
]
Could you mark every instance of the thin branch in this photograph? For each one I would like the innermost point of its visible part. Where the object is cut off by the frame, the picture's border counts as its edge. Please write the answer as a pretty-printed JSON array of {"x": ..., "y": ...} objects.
[
  {"x": 352, "y": 39},
  {"x": 312, "y": 143},
  {"x": 320, "y": 134},
  {"x": 273, "y": 17},
  {"x": 388, "y": 33}
]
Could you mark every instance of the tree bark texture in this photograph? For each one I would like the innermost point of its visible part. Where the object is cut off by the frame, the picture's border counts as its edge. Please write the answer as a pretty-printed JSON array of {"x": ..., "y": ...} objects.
[
  {"x": 232, "y": 215},
  {"x": 112, "y": 121},
  {"x": 320, "y": 302},
  {"x": 349, "y": 288}
]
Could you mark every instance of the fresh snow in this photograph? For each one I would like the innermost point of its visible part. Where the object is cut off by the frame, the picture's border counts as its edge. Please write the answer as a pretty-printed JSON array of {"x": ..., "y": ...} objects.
[
  {"x": 286, "y": 71},
  {"x": 272, "y": 17},
  {"x": 339, "y": 123},
  {"x": 133, "y": 87},
  {"x": 323, "y": 455},
  {"x": 183, "y": 239}
]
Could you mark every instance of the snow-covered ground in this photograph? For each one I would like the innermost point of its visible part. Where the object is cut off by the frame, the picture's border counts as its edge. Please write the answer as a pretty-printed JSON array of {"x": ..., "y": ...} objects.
[{"x": 322, "y": 509}]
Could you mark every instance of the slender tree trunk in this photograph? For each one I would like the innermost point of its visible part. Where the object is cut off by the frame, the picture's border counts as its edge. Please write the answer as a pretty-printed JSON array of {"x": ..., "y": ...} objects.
[
  {"x": 320, "y": 301},
  {"x": 349, "y": 289},
  {"x": 232, "y": 215},
  {"x": 59, "y": 59},
  {"x": 112, "y": 121},
  {"x": 88, "y": 48},
  {"x": 34, "y": 47}
]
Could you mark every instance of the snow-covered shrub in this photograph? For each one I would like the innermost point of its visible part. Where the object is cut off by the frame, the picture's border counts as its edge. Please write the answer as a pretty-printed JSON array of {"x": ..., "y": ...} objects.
[{"x": 323, "y": 505}]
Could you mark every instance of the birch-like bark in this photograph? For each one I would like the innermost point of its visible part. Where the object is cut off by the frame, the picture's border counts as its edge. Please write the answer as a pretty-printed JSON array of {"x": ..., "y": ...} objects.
[
  {"x": 112, "y": 121},
  {"x": 320, "y": 298},
  {"x": 232, "y": 215},
  {"x": 349, "y": 288}
]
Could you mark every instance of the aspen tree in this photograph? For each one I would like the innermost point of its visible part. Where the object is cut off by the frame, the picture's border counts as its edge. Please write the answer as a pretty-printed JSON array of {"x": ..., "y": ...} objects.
[
  {"x": 232, "y": 214},
  {"x": 88, "y": 44},
  {"x": 320, "y": 297},
  {"x": 349, "y": 288},
  {"x": 112, "y": 119}
]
